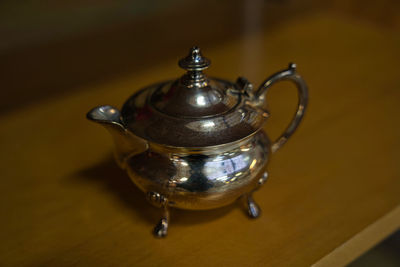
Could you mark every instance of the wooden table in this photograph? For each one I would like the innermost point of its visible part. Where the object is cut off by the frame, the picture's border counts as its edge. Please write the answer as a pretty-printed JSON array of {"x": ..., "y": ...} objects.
[{"x": 334, "y": 189}]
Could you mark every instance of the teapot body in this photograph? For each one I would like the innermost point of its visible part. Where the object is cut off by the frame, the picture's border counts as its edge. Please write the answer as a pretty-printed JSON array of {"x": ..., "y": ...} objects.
[{"x": 208, "y": 178}]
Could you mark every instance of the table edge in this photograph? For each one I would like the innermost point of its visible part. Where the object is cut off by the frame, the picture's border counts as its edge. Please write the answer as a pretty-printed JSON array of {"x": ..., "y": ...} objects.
[{"x": 362, "y": 241}]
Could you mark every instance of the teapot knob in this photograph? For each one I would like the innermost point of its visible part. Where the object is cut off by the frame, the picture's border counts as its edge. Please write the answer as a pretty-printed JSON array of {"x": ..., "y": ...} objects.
[{"x": 194, "y": 61}]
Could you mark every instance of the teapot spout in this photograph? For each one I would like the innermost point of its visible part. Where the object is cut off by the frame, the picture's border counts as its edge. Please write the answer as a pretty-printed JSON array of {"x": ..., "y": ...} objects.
[{"x": 126, "y": 143}]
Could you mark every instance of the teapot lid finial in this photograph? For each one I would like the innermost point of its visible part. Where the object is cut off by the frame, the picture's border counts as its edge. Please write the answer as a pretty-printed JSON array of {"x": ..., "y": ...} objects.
[{"x": 194, "y": 61}]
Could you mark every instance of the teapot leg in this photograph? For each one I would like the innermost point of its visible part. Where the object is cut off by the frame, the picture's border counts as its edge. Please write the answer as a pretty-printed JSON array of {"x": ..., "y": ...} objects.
[
  {"x": 253, "y": 210},
  {"x": 160, "y": 201},
  {"x": 161, "y": 228}
]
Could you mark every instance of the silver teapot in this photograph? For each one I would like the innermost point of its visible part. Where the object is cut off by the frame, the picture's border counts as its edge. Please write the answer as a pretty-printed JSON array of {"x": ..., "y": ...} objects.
[{"x": 197, "y": 142}]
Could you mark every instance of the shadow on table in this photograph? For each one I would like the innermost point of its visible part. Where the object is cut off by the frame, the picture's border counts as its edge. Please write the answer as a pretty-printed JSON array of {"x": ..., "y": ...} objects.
[{"x": 117, "y": 182}]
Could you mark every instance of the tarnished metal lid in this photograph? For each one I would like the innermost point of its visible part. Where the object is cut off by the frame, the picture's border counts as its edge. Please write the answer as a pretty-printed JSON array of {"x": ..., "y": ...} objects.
[{"x": 193, "y": 111}]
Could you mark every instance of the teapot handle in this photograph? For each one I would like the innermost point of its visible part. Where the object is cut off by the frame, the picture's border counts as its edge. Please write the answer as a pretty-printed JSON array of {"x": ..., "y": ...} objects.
[{"x": 286, "y": 75}]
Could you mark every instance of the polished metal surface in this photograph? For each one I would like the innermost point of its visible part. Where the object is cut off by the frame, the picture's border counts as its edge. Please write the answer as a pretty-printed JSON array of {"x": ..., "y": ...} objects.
[
  {"x": 286, "y": 75},
  {"x": 197, "y": 143},
  {"x": 143, "y": 119},
  {"x": 211, "y": 179},
  {"x": 125, "y": 142},
  {"x": 252, "y": 207},
  {"x": 160, "y": 201},
  {"x": 194, "y": 61},
  {"x": 194, "y": 110}
]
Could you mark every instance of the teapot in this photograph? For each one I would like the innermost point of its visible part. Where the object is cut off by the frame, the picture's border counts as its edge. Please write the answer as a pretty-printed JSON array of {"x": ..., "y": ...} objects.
[{"x": 197, "y": 142}]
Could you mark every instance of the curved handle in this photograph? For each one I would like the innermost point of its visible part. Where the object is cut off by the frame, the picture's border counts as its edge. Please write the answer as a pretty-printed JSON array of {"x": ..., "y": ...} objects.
[{"x": 286, "y": 75}]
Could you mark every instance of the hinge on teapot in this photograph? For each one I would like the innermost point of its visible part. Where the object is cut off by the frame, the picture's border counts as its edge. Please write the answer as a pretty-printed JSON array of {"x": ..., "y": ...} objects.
[{"x": 245, "y": 88}]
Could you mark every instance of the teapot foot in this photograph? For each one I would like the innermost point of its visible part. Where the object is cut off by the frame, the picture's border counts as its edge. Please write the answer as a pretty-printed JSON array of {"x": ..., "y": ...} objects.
[
  {"x": 253, "y": 210},
  {"x": 160, "y": 201},
  {"x": 161, "y": 228}
]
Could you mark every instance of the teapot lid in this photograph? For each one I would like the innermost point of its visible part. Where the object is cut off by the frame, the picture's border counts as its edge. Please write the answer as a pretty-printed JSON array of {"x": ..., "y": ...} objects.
[{"x": 192, "y": 111}]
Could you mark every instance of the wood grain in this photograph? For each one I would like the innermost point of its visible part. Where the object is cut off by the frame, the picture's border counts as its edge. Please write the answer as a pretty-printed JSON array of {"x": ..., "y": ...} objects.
[{"x": 65, "y": 202}]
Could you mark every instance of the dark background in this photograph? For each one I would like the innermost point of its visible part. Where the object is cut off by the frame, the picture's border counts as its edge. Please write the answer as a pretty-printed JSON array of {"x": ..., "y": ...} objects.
[{"x": 50, "y": 48}]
